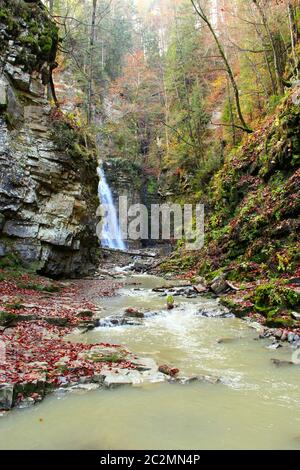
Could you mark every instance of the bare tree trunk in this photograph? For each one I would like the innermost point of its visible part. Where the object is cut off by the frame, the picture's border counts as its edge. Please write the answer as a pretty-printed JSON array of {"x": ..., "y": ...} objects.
[
  {"x": 257, "y": 73},
  {"x": 268, "y": 67},
  {"x": 231, "y": 114},
  {"x": 293, "y": 33},
  {"x": 199, "y": 10},
  {"x": 91, "y": 65},
  {"x": 166, "y": 108}
]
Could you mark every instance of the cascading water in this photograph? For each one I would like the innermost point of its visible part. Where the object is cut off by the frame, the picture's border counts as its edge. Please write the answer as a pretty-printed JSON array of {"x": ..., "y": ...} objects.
[{"x": 111, "y": 233}]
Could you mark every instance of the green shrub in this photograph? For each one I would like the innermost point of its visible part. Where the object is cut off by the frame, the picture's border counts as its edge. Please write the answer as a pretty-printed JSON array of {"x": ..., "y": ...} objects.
[
  {"x": 7, "y": 317},
  {"x": 270, "y": 299}
]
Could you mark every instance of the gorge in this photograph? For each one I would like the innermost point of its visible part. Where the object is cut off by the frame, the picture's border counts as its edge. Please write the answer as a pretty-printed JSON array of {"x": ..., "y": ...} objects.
[{"x": 108, "y": 343}]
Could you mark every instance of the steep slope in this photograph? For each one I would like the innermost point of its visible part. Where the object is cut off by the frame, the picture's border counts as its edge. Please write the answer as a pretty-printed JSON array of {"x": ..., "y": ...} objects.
[
  {"x": 253, "y": 222},
  {"x": 48, "y": 179},
  {"x": 255, "y": 201}
]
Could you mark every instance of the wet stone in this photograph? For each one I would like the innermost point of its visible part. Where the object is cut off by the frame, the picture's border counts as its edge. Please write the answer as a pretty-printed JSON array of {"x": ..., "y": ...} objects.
[
  {"x": 6, "y": 396},
  {"x": 215, "y": 313},
  {"x": 274, "y": 346},
  {"x": 227, "y": 340},
  {"x": 194, "y": 379},
  {"x": 123, "y": 377}
]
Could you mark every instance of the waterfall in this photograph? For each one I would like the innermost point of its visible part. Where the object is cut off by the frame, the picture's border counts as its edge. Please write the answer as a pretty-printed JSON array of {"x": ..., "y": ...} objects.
[{"x": 111, "y": 233}]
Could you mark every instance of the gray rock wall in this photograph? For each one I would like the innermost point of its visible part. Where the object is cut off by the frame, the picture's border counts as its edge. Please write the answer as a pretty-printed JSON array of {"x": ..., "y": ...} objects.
[{"x": 48, "y": 200}]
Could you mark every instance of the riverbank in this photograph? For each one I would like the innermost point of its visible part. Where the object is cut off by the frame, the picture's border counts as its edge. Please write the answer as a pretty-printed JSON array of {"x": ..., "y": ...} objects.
[
  {"x": 36, "y": 314},
  {"x": 274, "y": 302}
]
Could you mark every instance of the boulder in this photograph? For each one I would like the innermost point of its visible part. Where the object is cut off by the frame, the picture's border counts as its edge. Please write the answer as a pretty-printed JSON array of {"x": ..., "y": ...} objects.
[
  {"x": 295, "y": 316},
  {"x": 6, "y": 396},
  {"x": 119, "y": 320},
  {"x": 28, "y": 249},
  {"x": 219, "y": 284},
  {"x": 194, "y": 379}
]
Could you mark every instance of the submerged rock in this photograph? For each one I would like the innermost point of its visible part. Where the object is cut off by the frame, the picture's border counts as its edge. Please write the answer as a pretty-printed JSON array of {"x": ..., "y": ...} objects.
[
  {"x": 144, "y": 364},
  {"x": 88, "y": 387},
  {"x": 215, "y": 313},
  {"x": 291, "y": 337},
  {"x": 274, "y": 346},
  {"x": 280, "y": 363},
  {"x": 120, "y": 320},
  {"x": 194, "y": 379},
  {"x": 227, "y": 340}
]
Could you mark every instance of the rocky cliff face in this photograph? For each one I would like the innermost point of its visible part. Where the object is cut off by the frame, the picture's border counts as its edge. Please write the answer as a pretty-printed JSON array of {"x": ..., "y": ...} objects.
[{"x": 48, "y": 186}]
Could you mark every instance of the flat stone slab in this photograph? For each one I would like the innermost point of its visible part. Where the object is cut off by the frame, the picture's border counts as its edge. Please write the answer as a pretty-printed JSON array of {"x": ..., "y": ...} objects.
[
  {"x": 123, "y": 377},
  {"x": 195, "y": 379}
]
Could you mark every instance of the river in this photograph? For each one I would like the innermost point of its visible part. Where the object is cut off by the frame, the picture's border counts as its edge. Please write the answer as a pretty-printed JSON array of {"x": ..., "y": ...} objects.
[{"x": 256, "y": 405}]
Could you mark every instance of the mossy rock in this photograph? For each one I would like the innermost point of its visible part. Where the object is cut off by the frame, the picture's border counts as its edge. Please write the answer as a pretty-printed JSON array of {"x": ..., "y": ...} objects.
[
  {"x": 7, "y": 317},
  {"x": 239, "y": 309},
  {"x": 279, "y": 322}
]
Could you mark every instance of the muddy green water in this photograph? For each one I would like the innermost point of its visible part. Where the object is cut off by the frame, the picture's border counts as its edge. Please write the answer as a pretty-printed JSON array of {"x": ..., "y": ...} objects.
[{"x": 256, "y": 406}]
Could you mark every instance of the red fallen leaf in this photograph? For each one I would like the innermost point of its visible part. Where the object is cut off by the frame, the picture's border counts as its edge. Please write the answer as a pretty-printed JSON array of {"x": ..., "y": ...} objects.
[{"x": 33, "y": 343}]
